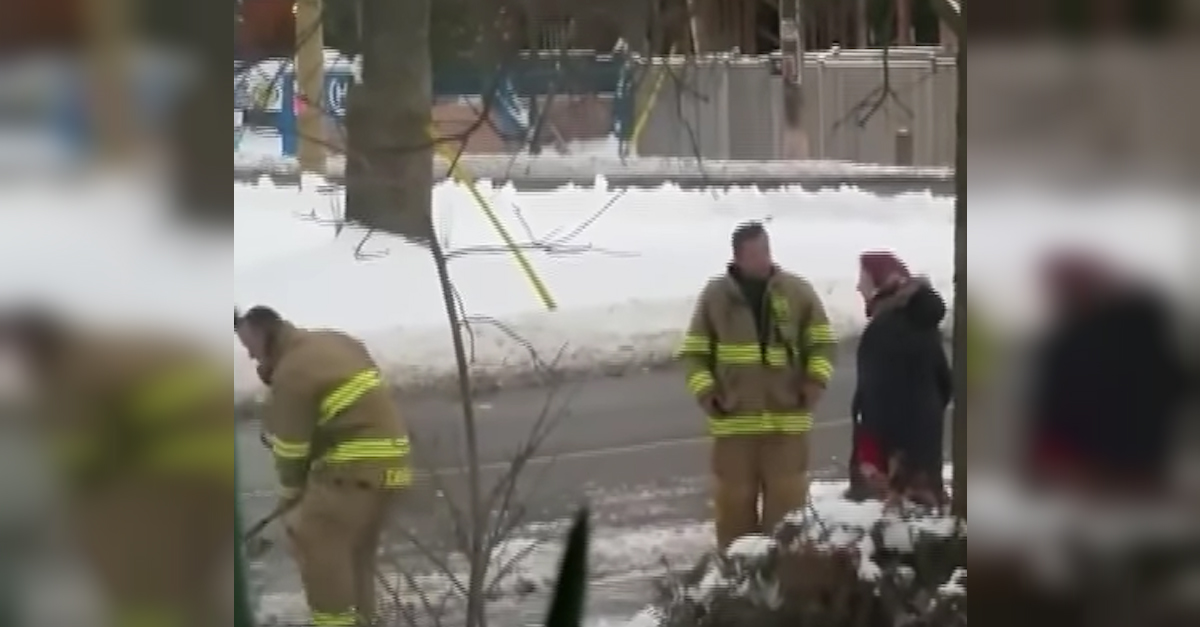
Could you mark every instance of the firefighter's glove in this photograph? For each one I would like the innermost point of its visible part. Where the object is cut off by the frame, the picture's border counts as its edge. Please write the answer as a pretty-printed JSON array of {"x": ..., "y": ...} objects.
[
  {"x": 264, "y": 374},
  {"x": 711, "y": 405},
  {"x": 812, "y": 392}
]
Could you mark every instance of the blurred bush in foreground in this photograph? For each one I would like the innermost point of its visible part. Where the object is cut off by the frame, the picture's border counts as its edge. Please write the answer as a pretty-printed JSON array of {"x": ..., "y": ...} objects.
[
  {"x": 113, "y": 201},
  {"x": 1082, "y": 224}
]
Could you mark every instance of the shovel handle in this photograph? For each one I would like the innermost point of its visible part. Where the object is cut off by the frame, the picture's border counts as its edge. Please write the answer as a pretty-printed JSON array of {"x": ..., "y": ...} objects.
[{"x": 258, "y": 527}]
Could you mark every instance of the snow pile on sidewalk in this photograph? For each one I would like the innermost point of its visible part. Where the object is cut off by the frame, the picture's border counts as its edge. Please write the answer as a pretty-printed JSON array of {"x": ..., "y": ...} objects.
[
  {"x": 623, "y": 561},
  {"x": 624, "y": 268},
  {"x": 835, "y": 562}
]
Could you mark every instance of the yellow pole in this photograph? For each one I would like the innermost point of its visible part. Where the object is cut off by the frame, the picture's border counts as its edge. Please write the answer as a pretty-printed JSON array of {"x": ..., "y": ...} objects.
[
  {"x": 643, "y": 115},
  {"x": 310, "y": 85},
  {"x": 460, "y": 174}
]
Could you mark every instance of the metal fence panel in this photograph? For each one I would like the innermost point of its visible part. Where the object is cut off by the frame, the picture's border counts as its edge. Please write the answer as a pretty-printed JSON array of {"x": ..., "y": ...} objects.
[
  {"x": 689, "y": 114},
  {"x": 730, "y": 107}
]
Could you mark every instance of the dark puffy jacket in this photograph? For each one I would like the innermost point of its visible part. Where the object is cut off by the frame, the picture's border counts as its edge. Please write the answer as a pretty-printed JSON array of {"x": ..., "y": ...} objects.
[
  {"x": 1107, "y": 387},
  {"x": 903, "y": 381}
]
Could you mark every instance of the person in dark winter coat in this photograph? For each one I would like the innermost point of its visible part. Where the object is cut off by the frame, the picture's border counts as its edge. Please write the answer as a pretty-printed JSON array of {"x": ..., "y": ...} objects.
[
  {"x": 904, "y": 384},
  {"x": 1108, "y": 382}
]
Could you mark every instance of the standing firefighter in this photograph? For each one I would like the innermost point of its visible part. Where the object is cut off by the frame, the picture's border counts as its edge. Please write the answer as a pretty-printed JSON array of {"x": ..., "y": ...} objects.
[
  {"x": 341, "y": 451},
  {"x": 141, "y": 429},
  {"x": 758, "y": 354}
]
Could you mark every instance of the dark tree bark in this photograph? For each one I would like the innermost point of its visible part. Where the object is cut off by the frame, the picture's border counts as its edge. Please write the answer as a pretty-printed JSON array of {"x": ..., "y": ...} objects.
[
  {"x": 199, "y": 125},
  {"x": 389, "y": 163}
]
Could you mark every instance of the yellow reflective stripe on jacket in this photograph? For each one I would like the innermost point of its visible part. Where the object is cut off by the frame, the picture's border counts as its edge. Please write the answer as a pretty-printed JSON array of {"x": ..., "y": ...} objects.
[
  {"x": 284, "y": 449},
  {"x": 700, "y": 345},
  {"x": 820, "y": 368},
  {"x": 700, "y": 382},
  {"x": 819, "y": 335},
  {"x": 367, "y": 449},
  {"x": 349, "y": 393},
  {"x": 780, "y": 309},
  {"x": 750, "y": 354},
  {"x": 176, "y": 391},
  {"x": 766, "y": 423},
  {"x": 398, "y": 477}
]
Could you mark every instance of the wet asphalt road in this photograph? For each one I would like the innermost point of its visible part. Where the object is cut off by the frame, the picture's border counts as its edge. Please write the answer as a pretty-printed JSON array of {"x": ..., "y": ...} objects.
[
  {"x": 599, "y": 436},
  {"x": 632, "y": 447}
]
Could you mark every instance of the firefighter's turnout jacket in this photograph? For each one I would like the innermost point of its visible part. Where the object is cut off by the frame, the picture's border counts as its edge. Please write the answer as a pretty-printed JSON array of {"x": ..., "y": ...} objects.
[
  {"x": 143, "y": 429},
  {"x": 755, "y": 363},
  {"x": 329, "y": 413}
]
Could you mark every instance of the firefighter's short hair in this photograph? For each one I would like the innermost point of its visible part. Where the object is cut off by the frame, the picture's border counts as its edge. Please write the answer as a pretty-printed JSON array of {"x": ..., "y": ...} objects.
[
  {"x": 258, "y": 317},
  {"x": 746, "y": 232}
]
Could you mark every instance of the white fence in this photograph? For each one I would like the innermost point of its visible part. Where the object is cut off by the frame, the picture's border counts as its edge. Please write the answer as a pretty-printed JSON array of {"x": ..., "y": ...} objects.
[{"x": 731, "y": 107}]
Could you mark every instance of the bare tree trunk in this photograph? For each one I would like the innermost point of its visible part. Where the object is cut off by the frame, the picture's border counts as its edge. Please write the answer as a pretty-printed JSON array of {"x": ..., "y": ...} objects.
[
  {"x": 389, "y": 159},
  {"x": 478, "y": 518},
  {"x": 199, "y": 126},
  {"x": 961, "y": 416},
  {"x": 388, "y": 186}
]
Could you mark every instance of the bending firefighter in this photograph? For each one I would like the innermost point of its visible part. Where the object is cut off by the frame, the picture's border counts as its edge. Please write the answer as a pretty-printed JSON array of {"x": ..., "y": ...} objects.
[
  {"x": 140, "y": 426},
  {"x": 341, "y": 451},
  {"x": 758, "y": 354}
]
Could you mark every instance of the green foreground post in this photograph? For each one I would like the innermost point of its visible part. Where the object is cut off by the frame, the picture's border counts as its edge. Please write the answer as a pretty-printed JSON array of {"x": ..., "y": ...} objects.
[{"x": 243, "y": 613}]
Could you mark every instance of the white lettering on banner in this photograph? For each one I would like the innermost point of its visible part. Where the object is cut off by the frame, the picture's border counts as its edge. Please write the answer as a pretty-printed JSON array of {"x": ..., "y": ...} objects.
[{"x": 336, "y": 87}]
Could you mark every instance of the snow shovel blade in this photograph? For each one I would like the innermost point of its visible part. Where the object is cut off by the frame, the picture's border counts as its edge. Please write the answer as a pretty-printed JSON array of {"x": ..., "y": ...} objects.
[
  {"x": 258, "y": 546},
  {"x": 566, "y": 607}
]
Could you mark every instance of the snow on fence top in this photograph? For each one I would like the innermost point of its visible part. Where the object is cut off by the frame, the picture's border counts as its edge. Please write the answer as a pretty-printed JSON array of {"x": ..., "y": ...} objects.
[{"x": 526, "y": 172}]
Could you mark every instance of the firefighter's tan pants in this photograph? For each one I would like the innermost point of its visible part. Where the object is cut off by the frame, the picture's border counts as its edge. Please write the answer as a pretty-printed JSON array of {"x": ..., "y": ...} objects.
[
  {"x": 746, "y": 467},
  {"x": 335, "y": 532}
]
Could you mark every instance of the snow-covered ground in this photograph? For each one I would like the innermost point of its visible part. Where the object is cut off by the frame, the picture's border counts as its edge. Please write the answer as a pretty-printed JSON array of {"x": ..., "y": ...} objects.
[
  {"x": 633, "y": 556},
  {"x": 623, "y": 267}
]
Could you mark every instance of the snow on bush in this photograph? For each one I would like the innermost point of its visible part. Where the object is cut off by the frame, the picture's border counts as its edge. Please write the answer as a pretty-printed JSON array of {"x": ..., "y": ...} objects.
[{"x": 835, "y": 562}]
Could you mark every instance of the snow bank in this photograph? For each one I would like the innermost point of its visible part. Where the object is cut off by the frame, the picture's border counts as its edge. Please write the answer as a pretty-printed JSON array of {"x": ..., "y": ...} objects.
[
  {"x": 831, "y": 549},
  {"x": 1008, "y": 520},
  {"x": 624, "y": 267},
  {"x": 104, "y": 249},
  {"x": 525, "y": 566}
]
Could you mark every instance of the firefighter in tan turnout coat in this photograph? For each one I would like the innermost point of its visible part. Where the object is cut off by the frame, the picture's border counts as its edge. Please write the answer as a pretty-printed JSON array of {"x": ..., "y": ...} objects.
[
  {"x": 341, "y": 451},
  {"x": 140, "y": 426},
  {"x": 758, "y": 354}
]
